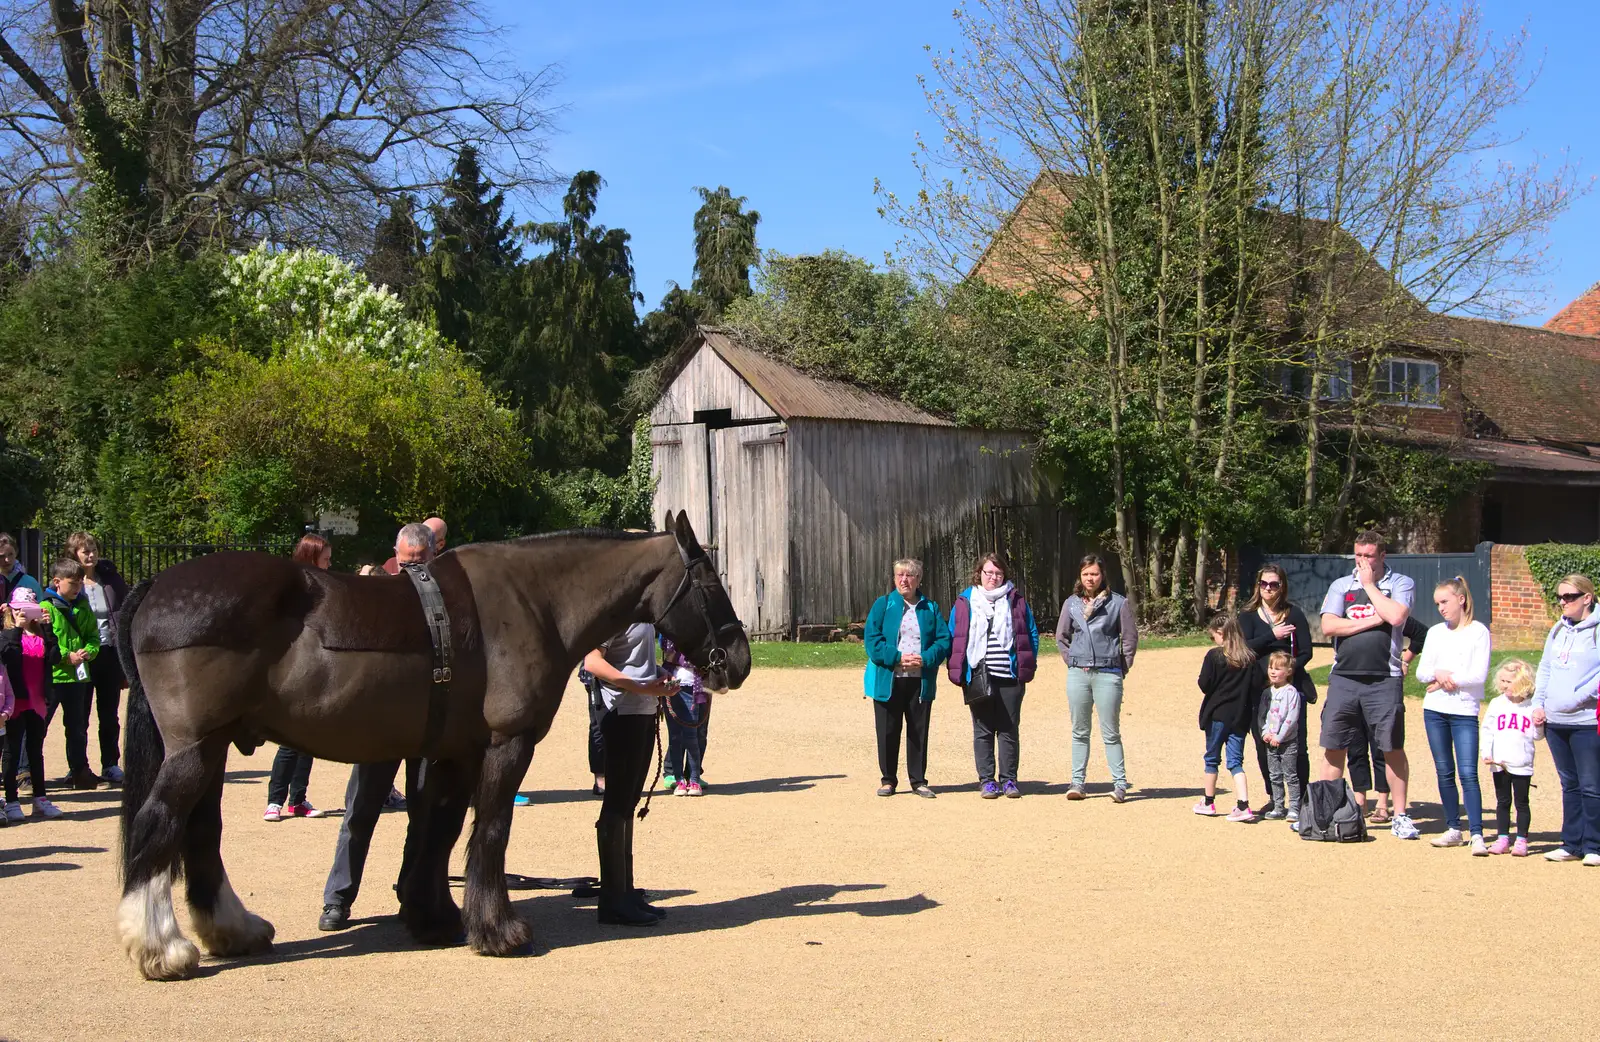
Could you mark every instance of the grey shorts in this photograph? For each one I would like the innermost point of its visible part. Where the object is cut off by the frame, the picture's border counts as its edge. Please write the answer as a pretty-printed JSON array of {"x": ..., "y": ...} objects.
[{"x": 1356, "y": 708}]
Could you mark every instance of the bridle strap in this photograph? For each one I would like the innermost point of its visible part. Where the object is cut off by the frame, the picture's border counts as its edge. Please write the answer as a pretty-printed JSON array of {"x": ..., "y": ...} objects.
[{"x": 716, "y": 654}]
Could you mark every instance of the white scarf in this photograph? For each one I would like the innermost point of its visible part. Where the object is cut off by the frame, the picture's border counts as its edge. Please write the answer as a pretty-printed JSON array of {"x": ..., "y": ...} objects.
[{"x": 986, "y": 605}]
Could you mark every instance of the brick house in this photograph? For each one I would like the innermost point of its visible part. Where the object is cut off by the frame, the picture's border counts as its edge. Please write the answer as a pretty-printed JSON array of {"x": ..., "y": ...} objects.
[{"x": 1524, "y": 400}]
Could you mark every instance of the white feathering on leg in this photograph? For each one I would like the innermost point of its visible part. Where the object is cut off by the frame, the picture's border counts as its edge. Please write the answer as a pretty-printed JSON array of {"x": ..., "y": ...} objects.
[{"x": 150, "y": 933}]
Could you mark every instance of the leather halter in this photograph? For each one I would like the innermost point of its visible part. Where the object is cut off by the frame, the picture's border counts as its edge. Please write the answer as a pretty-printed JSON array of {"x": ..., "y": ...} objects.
[
  {"x": 438, "y": 620},
  {"x": 711, "y": 646}
]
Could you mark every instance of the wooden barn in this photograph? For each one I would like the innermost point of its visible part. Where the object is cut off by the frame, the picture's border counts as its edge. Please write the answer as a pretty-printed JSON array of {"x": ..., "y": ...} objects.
[{"x": 809, "y": 489}]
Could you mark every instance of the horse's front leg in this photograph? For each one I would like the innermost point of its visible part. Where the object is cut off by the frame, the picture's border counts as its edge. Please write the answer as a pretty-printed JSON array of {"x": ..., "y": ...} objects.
[
  {"x": 439, "y": 807},
  {"x": 492, "y": 927}
]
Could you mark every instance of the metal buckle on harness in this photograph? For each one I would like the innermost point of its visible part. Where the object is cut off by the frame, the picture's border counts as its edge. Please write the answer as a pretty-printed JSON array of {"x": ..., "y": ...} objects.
[{"x": 441, "y": 676}]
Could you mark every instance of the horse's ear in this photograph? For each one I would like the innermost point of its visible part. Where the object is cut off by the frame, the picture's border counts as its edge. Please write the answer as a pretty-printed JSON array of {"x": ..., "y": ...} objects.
[
  {"x": 688, "y": 545},
  {"x": 666, "y": 525}
]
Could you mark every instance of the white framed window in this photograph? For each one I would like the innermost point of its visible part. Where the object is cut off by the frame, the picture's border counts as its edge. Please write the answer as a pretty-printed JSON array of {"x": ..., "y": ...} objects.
[
  {"x": 1409, "y": 381},
  {"x": 1336, "y": 384}
]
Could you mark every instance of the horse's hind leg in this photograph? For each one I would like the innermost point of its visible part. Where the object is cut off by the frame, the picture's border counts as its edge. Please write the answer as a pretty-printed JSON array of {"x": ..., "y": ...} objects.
[
  {"x": 220, "y": 919},
  {"x": 145, "y": 920},
  {"x": 493, "y": 928},
  {"x": 425, "y": 903}
]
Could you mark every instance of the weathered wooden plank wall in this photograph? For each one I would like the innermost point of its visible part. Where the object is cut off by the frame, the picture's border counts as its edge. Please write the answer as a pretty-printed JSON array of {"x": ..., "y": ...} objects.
[
  {"x": 707, "y": 382},
  {"x": 753, "y": 525},
  {"x": 864, "y": 494},
  {"x": 678, "y": 463}
]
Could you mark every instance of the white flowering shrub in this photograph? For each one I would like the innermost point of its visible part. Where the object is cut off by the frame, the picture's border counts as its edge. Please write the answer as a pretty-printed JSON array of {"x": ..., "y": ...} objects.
[{"x": 312, "y": 303}]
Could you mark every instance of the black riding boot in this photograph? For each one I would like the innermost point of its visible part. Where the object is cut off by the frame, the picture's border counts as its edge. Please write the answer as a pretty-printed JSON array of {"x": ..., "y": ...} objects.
[
  {"x": 638, "y": 894},
  {"x": 617, "y": 905}
]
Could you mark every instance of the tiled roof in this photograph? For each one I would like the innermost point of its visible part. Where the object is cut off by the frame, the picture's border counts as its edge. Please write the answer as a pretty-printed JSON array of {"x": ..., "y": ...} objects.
[
  {"x": 1581, "y": 317},
  {"x": 1531, "y": 384},
  {"x": 794, "y": 394}
]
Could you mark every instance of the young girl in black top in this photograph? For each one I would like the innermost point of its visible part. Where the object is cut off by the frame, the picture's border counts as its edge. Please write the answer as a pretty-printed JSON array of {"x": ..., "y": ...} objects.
[{"x": 1231, "y": 681}]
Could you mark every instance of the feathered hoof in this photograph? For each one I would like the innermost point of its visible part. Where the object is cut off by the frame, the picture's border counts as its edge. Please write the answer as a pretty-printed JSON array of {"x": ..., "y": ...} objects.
[
  {"x": 177, "y": 959},
  {"x": 251, "y": 936},
  {"x": 508, "y": 937}
]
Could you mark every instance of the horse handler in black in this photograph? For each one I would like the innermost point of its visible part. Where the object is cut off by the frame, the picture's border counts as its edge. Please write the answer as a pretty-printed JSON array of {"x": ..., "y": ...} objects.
[
  {"x": 631, "y": 686},
  {"x": 370, "y": 785}
]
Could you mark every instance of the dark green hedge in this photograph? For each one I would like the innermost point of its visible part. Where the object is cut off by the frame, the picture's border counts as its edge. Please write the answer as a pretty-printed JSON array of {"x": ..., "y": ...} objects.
[{"x": 1549, "y": 562}]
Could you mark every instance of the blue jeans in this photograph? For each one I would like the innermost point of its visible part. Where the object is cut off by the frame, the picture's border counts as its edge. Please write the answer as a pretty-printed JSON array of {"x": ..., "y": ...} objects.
[
  {"x": 1091, "y": 691},
  {"x": 686, "y": 741},
  {"x": 1453, "y": 739},
  {"x": 1219, "y": 734},
  {"x": 1576, "y": 752}
]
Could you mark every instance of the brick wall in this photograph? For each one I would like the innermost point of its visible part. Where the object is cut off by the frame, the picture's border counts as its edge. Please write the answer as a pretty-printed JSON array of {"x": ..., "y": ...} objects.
[{"x": 1522, "y": 618}]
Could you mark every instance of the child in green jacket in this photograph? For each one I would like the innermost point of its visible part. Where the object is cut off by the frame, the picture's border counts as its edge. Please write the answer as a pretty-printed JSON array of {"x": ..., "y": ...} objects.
[{"x": 78, "y": 636}]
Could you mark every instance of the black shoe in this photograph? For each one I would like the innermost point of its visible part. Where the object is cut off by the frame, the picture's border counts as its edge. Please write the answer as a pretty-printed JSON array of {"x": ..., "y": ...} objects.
[
  {"x": 886, "y": 790},
  {"x": 925, "y": 792},
  {"x": 84, "y": 778},
  {"x": 334, "y": 917}
]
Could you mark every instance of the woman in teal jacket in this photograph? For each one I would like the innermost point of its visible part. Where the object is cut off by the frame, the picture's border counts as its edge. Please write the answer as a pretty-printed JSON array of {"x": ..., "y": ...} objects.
[{"x": 904, "y": 650}]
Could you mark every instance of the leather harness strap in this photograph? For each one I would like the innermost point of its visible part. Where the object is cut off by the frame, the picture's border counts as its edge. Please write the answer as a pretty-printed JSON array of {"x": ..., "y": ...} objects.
[{"x": 438, "y": 620}]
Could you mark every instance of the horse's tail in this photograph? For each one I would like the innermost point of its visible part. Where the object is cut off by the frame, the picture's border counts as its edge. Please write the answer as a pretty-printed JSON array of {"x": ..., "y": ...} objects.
[{"x": 143, "y": 750}]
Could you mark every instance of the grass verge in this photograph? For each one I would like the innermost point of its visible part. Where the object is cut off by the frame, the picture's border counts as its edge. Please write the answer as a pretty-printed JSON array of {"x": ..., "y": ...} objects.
[
  {"x": 775, "y": 654},
  {"x": 1416, "y": 689}
]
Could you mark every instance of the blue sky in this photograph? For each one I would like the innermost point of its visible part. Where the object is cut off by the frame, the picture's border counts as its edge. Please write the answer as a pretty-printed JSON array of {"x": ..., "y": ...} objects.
[{"x": 799, "y": 106}]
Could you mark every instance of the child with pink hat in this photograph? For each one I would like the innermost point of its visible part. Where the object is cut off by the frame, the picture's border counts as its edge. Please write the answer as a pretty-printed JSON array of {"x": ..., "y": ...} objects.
[{"x": 27, "y": 650}]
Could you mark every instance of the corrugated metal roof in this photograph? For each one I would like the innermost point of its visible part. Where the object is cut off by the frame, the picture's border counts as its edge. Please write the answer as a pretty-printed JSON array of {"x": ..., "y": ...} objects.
[{"x": 797, "y": 395}]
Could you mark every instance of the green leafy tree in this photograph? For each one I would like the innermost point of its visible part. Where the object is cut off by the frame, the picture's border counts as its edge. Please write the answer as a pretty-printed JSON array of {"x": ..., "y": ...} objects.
[
  {"x": 472, "y": 256},
  {"x": 399, "y": 248},
  {"x": 573, "y": 339},
  {"x": 724, "y": 249},
  {"x": 268, "y": 442}
]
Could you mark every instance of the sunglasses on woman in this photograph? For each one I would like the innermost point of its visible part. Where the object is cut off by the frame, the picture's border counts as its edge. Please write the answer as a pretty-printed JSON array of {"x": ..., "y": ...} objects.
[
  {"x": 1568, "y": 598},
  {"x": 1269, "y": 584}
]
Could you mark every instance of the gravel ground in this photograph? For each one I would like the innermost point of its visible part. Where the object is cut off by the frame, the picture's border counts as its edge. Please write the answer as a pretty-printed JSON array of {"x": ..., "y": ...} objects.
[{"x": 805, "y": 907}]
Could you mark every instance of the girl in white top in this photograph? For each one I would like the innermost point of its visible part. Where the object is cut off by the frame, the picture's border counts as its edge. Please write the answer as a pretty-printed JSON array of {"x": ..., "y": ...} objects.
[
  {"x": 1507, "y": 740},
  {"x": 1454, "y": 664}
]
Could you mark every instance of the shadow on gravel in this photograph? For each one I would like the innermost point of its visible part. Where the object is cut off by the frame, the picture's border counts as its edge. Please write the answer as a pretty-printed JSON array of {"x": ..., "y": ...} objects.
[
  {"x": 20, "y": 861},
  {"x": 554, "y": 930},
  {"x": 559, "y": 921},
  {"x": 760, "y": 785},
  {"x": 738, "y": 788}
]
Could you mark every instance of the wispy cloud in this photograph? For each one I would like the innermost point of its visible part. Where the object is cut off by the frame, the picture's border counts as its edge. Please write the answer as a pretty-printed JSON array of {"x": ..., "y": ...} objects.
[{"x": 723, "y": 70}]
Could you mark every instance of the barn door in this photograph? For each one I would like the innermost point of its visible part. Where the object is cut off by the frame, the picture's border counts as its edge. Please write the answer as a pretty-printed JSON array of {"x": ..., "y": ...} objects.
[
  {"x": 680, "y": 462},
  {"x": 750, "y": 518}
]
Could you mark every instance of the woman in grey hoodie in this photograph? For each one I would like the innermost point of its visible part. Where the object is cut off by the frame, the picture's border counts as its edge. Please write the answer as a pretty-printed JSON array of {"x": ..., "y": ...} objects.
[
  {"x": 1564, "y": 703},
  {"x": 1097, "y": 638}
]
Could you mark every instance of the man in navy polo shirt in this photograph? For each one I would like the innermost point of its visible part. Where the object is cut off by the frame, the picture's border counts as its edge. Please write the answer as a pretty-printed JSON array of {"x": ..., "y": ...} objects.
[{"x": 1365, "y": 614}]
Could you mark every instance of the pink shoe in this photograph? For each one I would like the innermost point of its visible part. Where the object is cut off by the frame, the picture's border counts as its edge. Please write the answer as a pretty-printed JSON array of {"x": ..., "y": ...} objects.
[
  {"x": 695, "y": 790},
  {"x": 303, "y": 809},
  {"x": 1244, "y": 814},
  {"x": 682, "y": 789},
  {"x": 1205, "y": 810},
  {"x": 1520, "y": 847},
  {"x": 274, "y": 813},
  {"x": 1500, "y": 845}
]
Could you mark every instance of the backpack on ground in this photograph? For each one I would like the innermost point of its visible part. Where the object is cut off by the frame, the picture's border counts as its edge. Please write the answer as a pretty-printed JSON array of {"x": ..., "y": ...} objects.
[{"x": 1331, "y": 814}]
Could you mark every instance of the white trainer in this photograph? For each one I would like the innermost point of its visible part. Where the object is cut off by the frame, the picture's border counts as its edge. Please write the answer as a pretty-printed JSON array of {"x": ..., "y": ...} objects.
[
  {"x": 1451, "y": 838},
  {"x": 1403, "y": 828},
  {"x": 1560, "y": 854},
  {"x": 13, "y": 812},
  {"x": 1479, "y": 847},
  {"x": 43, "y": 808},
  {"x": 1591, "y": 860}
]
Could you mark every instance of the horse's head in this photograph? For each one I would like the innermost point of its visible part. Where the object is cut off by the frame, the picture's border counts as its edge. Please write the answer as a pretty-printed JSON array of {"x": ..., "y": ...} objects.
[{"x": 699, "y": 619}]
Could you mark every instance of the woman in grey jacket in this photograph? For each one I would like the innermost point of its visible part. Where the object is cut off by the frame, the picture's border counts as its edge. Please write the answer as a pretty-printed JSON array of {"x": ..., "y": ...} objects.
[{"x": 1097, "y": 637}]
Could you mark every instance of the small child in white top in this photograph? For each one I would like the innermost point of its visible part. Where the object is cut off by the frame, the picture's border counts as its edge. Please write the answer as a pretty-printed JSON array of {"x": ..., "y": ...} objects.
[
  {"x": 1506, "y": 739},
  {"x": 1280, "y": 730}
]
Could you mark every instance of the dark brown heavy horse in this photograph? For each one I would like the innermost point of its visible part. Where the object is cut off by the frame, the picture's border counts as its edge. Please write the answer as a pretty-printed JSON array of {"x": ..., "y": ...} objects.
[{"x": 240, "y": 649}]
